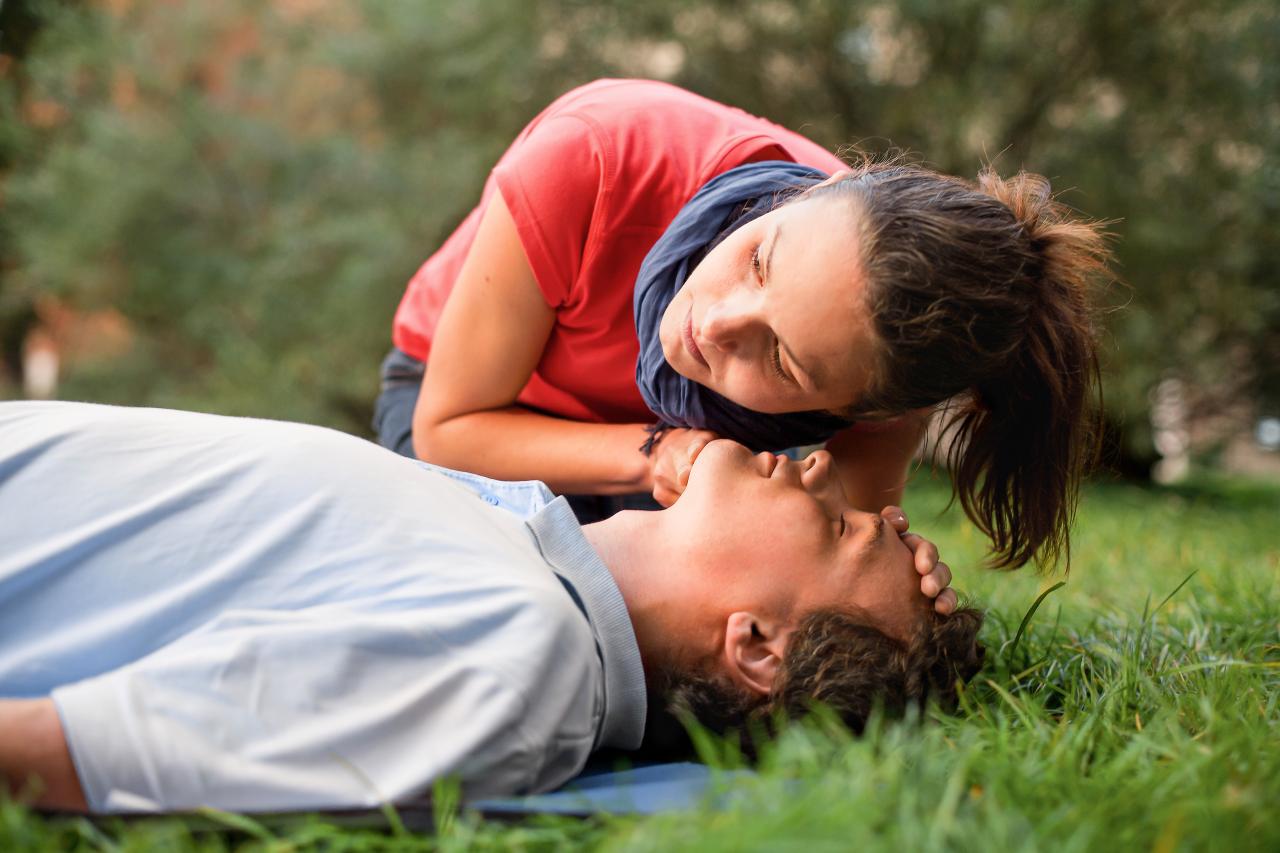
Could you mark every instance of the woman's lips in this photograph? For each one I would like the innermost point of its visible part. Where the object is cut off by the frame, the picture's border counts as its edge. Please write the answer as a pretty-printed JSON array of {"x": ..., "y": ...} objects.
[{"x": 689, "y": 343}]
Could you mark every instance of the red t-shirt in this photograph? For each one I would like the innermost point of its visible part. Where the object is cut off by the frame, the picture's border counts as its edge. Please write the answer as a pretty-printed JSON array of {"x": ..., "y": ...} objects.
[{"x": 592, "y": 183}]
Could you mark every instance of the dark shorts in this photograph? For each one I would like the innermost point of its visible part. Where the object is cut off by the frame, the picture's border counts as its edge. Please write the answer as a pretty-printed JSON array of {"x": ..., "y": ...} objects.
[{"x": 393, "y": 423}]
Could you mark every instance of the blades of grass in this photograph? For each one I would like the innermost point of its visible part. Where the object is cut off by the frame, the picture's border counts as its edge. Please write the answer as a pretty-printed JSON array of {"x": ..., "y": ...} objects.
[
  {"x": 389, "y": 812},
  {"x": 1175, "y": 591},
  {"x": 943, "y": 826},
  {"x": 239, "y": 823},
  {"x": 1031, "y": 669},
  {"x": 1018, "y": 708},
  {"x": 446, "y": 798},
  {"x": 1026, "y": 620},
  {"x": 392, "y": 817},
  {"x": 1217, "y": 664},
  {"x": 95, "y": 837}
]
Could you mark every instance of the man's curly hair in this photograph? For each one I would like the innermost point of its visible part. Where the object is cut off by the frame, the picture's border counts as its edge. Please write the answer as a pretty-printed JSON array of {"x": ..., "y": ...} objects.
[{"x": 839, "y": 659}]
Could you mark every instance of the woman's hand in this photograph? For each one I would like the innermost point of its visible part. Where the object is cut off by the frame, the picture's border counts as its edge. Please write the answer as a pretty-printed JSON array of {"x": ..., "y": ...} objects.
[
  {"x": 935, "y": 577},
  {"x": 672, "y": 460}
]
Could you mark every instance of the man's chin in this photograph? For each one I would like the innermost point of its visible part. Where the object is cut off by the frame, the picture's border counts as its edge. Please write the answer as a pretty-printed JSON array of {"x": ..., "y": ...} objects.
[
  {"x": 706, "y": 463},
  {"x": 721, "y": 453}
]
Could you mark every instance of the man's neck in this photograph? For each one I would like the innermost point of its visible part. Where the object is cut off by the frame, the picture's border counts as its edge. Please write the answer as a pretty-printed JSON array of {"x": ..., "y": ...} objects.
[{"x": 632, "y": 546}]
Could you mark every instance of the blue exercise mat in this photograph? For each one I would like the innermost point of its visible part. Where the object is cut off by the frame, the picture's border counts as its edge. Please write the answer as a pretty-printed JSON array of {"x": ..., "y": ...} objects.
[
  {"x": 638, "y": 791},
  {"x": 644, "y": 790}
]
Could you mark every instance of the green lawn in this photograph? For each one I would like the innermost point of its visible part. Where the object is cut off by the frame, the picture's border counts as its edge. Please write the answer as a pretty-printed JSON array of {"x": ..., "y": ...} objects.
[{"x": 1121, "y": 720}]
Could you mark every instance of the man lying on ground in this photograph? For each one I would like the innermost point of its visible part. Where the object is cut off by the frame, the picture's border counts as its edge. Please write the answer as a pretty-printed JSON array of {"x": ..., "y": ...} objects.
[{"x": 263, "y": 616}]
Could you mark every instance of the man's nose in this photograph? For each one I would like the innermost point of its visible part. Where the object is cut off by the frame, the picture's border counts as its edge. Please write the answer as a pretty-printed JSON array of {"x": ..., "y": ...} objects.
[
  {"x": 820, "y": 478},
  {"x": 817, "y": 467}
]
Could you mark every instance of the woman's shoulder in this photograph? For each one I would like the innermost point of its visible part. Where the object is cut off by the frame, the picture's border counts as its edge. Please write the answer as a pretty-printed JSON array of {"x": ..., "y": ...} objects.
[
  {"x": 618, "y": 98},
  {"x": 657, "y": 139}
]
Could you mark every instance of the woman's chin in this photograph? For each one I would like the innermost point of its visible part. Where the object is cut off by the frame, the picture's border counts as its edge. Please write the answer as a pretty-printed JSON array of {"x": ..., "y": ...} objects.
[
  {"x": 676, "y": 363},
  {"x": 672, "y": 349}
]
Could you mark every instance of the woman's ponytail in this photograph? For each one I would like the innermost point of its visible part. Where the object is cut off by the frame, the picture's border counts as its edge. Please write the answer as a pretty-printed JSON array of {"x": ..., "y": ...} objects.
[
  {"x": 1035, "y": 427},
  {"x": 982, "y": 296}
]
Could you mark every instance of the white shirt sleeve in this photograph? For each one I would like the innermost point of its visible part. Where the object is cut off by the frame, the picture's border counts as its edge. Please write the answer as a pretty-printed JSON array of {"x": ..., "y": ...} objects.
[{"x": 320, "y": 707}]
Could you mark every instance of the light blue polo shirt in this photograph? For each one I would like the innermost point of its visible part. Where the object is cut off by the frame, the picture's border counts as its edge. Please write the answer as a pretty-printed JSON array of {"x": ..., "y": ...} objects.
[{"x": 258, "y": 616}]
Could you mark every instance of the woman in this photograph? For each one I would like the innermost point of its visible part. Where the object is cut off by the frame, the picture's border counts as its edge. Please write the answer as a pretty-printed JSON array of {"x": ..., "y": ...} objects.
[{"x": 647, "y": 270}]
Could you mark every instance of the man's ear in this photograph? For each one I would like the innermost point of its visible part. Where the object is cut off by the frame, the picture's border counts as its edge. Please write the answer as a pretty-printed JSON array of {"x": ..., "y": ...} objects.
[{"x": 753, "y": 650}]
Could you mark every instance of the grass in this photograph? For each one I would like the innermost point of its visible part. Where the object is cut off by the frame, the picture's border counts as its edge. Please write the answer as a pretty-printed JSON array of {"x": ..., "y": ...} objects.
[{"x": 1139, "y": 709}]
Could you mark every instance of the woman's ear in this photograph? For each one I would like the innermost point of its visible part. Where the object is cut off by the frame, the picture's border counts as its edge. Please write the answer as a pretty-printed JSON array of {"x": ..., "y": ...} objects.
[
  {"x": 836, "y": 177},
  {"x": 753, "y": 650}
]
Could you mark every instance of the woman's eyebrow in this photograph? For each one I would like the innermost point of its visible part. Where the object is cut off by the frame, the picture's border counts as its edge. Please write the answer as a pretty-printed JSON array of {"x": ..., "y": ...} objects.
[{"x": 773, "y": 246}]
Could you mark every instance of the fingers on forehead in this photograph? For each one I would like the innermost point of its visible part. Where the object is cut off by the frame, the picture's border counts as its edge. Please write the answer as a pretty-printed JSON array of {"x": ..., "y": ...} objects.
[
  {"x": 926, "y": 557},
  {"x": 946, "y": 601}
]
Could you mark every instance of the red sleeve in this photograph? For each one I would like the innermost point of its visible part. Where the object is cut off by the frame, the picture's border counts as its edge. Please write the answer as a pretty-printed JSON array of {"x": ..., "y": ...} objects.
[{"x": 552, "y": 180}]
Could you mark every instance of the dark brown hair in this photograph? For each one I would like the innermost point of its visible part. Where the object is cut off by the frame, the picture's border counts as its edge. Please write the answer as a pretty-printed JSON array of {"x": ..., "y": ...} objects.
[
  {"x": 981, "y": 297},
  {"x": 841, "y": 660}
]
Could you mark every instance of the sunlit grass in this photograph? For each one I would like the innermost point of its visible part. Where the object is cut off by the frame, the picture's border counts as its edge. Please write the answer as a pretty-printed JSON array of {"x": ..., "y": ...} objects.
[{"x": 1136, "y": 711}]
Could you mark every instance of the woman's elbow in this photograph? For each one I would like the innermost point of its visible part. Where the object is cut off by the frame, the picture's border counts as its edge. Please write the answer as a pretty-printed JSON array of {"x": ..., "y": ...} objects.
[
  {"x": 441, "y": 442},
  {"x": 426, "y": 440}
]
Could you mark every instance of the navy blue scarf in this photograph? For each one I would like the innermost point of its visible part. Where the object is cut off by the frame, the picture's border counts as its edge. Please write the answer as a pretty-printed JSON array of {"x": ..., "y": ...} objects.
[{"x": 723, "y": 204}]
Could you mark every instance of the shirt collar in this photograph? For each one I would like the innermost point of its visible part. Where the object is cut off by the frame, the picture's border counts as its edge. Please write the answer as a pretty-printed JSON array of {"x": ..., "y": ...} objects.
[{"x": 559, "y": 537}]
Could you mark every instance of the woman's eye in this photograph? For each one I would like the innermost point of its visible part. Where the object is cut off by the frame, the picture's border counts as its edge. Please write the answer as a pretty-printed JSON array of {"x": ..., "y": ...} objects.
[
  {"x": 777, "y": 362},
  {"x": 755, "y": 263}
]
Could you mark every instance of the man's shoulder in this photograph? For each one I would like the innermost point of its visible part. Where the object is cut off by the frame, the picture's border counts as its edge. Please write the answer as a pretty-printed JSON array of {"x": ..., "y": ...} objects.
[
  {"x": 535, "y": 645},
  {"x": 159, "y": 427},
  {"x": 521, "y": 497}
]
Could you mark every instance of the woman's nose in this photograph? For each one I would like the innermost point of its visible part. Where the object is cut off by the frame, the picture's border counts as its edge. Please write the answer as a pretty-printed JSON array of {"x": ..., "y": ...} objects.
[{"x": 730, "y": 322}]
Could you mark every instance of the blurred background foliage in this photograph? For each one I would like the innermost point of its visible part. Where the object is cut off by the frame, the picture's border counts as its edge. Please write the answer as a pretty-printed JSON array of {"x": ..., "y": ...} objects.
[{"x": 216, "y": 206}]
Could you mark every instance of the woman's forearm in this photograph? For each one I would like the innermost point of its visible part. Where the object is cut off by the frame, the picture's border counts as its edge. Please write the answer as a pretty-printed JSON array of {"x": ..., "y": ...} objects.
[
  {"x": 492, "y": 334},
  {"x": 873, "y": 463},
  {"x": 516, "y": 444}
]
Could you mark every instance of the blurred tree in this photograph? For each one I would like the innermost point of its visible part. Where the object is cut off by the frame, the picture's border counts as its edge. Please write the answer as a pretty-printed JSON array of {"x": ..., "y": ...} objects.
[
  {"x": 20, "y": 21},
  {"x": 251, "y": 183}
]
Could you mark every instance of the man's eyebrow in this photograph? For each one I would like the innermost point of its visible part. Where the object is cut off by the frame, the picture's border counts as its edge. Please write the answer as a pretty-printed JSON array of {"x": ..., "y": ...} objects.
[{"x": 815, "y": 377}]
